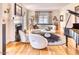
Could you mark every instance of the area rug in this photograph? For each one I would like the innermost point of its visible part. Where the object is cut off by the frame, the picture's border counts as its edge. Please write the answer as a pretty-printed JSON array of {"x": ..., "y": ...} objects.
[{"x": 55, "y": 39}]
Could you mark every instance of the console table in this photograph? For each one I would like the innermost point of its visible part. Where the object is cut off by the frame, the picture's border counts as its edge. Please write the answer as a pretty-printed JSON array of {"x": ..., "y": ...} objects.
[{"x": 72, "y": 33}]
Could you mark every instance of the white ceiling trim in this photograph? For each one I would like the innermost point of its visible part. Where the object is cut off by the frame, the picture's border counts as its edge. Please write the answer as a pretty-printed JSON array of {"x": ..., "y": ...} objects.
[{"x": 44, "y": 6}]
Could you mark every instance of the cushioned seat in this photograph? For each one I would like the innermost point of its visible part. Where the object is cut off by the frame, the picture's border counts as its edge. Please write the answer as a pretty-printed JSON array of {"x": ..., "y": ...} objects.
[{"x": 37, "y": 41}]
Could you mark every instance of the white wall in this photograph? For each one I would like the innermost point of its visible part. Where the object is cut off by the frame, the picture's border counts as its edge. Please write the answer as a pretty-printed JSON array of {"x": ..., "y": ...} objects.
[
  {"x": 56, "y": 13},
  {"x": 11, "y": 24},
  {"x": 25, "y": 18},
  {"x": 8, "y": 21}
]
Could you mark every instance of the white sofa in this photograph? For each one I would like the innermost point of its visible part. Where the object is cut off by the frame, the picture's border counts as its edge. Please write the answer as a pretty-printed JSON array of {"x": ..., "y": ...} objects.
[
  {"x": 44, "y": 29},
  {"x": 37, "y": 41}
]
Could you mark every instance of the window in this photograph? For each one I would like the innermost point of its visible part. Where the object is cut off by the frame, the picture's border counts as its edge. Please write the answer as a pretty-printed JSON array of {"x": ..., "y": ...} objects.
[{"x": 43, "y": 18}]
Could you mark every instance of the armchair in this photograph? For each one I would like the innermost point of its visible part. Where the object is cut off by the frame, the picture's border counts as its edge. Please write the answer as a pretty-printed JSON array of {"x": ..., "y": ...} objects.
[{"x": 37, "y": 41}]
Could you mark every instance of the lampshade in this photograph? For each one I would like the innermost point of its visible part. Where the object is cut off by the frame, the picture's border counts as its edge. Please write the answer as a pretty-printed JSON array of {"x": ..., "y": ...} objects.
[{"x": 17, "y": 21}]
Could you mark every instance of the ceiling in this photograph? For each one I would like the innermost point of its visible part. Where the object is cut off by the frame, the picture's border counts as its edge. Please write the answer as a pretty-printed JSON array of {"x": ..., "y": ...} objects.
[{"x": 44, "y": 6}]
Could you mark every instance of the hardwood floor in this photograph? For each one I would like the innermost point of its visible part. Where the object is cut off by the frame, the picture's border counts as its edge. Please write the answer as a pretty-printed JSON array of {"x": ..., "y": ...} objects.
[{"x": 19, "y": 48}]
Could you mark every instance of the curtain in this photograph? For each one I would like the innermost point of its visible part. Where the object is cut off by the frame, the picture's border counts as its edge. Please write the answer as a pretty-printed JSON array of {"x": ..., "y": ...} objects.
[{"x": 48, "y": 13}]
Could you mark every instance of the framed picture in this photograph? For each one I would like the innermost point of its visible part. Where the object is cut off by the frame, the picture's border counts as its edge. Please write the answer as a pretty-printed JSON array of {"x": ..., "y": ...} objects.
[
  {"x": 61, "y": 17},
  {"x": 77, "y": 10},
  {"x": 17, "y": 10}
]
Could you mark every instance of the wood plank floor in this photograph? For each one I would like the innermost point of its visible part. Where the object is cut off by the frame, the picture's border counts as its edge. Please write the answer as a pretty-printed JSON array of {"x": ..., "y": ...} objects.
[{"x": 19, "y": 48}]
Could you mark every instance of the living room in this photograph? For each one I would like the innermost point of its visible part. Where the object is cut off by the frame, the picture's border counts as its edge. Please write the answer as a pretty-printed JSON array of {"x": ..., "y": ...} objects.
[{"x": 32, "y": 19}]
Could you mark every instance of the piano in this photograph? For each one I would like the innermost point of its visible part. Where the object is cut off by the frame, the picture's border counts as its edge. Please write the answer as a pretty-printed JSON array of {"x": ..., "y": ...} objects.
[{"x": 72, "y": 33}]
